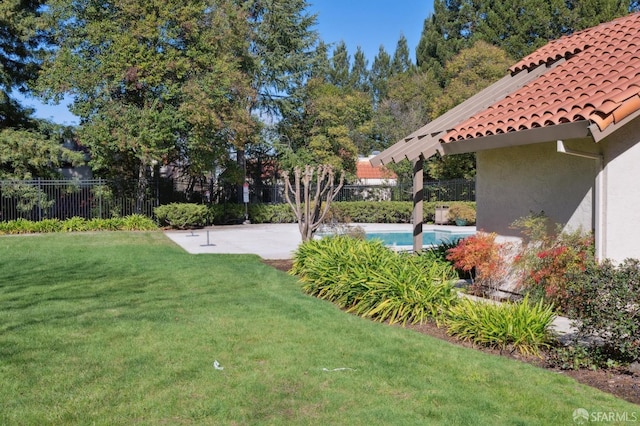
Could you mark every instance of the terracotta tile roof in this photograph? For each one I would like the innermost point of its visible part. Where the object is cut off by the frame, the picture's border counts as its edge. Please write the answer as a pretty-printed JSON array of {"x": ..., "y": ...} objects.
[
  {"x": 364, "y": 170},
  {"x": 596, "y": 77}
]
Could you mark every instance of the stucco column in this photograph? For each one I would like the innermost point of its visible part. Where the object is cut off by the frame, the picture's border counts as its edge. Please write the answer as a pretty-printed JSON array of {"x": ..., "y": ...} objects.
[{"x": 418, "y": 196}]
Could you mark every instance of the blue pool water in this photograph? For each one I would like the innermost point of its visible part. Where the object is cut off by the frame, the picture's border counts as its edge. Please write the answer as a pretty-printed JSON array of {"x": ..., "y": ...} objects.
[{"x": 406, "y": 238}]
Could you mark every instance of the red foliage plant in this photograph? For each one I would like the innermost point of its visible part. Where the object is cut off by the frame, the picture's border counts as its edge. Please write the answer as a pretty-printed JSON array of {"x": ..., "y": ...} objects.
[{"x": 482, "y": 257}]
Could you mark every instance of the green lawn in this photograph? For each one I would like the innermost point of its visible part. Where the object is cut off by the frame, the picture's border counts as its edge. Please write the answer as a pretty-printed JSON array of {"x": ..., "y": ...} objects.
[{"x": 124, "y": 328}]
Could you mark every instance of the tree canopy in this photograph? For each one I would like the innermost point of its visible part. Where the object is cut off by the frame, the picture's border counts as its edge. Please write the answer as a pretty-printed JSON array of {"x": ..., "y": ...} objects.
[{"x": 191, "y": 82}]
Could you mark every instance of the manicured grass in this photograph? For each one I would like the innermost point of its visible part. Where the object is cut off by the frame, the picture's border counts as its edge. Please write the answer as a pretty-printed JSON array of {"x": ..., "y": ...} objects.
[{"x": 124, "y": 328}]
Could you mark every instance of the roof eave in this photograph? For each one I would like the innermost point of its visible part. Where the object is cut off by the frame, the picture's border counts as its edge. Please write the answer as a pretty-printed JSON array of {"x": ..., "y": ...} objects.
[
  {"x": 598, "y": 134},
  {"x": 575, "y": 130}
]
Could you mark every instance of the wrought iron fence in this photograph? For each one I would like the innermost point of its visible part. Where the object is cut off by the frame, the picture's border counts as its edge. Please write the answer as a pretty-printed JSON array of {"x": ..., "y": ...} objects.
[
  {"x": 98, "y": 198},
  {"x": 446, "y": 190},
  {"x": 62, "y": 199}
]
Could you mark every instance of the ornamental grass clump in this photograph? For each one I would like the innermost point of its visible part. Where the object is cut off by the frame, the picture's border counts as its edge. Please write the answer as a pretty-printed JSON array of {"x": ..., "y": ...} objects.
[
  {"x": 521, "y": 326},
  {"x": 370, "y": 280}
]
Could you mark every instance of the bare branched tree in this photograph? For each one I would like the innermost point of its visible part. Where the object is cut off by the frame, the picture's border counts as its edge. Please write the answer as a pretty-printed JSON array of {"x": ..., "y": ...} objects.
[{"x": 310, "y": 213}]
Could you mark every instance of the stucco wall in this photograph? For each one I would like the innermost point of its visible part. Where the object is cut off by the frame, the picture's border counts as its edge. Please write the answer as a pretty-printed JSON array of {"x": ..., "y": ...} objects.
[
  {"x": 513, "y": 182},
  {"x": 621, "y": 213}
]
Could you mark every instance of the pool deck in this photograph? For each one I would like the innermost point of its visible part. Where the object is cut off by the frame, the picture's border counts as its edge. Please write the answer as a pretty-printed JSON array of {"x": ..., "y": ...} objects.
[{"x": 271, "y": 241}]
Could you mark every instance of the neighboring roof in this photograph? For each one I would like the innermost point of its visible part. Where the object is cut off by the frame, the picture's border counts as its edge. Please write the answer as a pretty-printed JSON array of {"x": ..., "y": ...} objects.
[
  {"x": 581, "y": 84},
  {"x": 364, "y": 170}
]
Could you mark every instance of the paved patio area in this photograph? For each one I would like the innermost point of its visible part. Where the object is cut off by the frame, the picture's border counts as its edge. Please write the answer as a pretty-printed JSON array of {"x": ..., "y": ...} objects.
[{"x": 269, "y": 241}]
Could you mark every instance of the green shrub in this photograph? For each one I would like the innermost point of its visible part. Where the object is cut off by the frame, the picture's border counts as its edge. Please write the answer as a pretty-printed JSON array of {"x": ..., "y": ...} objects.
[
  {"x": 46, "y": 225},
  {"x": 410, "y": 288},
  {"x": 462, "y": 212},
  {"x": 182, "y": 215},
  {"x": 74, "y": 224},
  {"x": 371, "y": 280},
  {"x": 110, "y": 224},
  {"x": 271, "y": 213},
  {"x": 18, "y": 226},
  {"x": 574, "y": 357},
  {"x": 549, "y": 261},
  {"x": 523, "y": 326},
  {"x": 606, "y": 301},
  {"x": 138, "y": 222},
  {"x": 340, "y": 212},
  {"x": 222, "y": 214},
  {"x": 135, "y": 222}
]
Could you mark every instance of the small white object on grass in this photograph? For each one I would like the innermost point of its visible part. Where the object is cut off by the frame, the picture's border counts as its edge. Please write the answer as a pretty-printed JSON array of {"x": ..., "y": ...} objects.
[
  {"x": 217, "y": 365},
  {"x": 340, "y": 369}
]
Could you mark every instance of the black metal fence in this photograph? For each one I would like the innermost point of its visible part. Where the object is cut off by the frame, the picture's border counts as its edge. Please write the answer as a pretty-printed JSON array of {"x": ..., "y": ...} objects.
[
  {"x": 62, "y": 199},
  {"x": 449, "y": 190},
  {"x": 98, "y": 198}
]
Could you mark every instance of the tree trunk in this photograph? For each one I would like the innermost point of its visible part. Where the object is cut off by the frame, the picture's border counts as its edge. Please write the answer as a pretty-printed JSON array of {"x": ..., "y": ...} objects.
[{"x": 310, "y": 214}]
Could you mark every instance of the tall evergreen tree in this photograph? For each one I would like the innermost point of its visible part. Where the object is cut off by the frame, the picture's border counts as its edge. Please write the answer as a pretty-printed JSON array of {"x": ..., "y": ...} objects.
[
  {"x": 340, "y": 66},
  {"x": 517, "y": 26},
  {"x": 521, "y": 26},
  {"x": 588, "y": 13},
  {"x": 19, "y": 44},
  {"x": 444, "y": 34},
  {"x": 281, "y": 45},
  {"x": 321, "y": 66},
  {"x": 359, "y": 76},
  {"x": 380, "y": 72},
  {"x": 401, "y": 62},
  {"x": 29, "y": 147}
]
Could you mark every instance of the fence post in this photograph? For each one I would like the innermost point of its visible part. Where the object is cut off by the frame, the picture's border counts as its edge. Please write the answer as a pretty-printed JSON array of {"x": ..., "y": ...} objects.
[
  {"x": 39, "y": 200},
  {"x": 100, "y": 198}
]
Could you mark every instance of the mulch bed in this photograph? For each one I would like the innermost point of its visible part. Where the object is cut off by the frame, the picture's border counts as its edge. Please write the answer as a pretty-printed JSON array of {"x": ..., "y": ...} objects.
[{"x": 619, "y": 382}]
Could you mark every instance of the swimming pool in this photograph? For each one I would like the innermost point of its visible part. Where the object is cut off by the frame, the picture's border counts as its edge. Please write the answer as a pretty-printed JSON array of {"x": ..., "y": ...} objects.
[{"x": 429, "y": 237}]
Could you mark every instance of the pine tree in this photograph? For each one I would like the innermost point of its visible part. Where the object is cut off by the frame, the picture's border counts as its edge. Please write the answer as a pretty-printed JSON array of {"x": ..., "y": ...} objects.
[
  {"x": 340, "y": 65},
  {"x": 19, "y": 45},
  {"x": 380, "y": 72},
  {"x": 401, "y": 62},
  {"x": 359, "y": 76}
]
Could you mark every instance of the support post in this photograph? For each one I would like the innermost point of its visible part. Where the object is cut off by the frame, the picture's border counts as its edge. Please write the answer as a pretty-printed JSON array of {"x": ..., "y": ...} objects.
[{"x": 418, "y": 196}]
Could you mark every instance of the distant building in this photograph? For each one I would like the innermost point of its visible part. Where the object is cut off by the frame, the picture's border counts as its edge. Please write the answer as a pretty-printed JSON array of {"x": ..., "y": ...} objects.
[{"x": 374, "y": 175}]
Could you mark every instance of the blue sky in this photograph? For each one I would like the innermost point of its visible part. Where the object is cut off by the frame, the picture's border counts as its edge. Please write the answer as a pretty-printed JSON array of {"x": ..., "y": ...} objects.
[
  {"x": 371, "y": 23},
  {"x": 364, "y": 23}
]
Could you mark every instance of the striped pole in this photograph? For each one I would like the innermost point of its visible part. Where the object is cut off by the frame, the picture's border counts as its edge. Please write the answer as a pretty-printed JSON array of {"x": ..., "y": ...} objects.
[{"x": 418, "y": 196}]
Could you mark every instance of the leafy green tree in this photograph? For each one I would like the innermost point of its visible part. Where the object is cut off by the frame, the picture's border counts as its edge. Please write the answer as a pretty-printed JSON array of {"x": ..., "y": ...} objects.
[
  {"x": 467, "y": 73},
  {"x": 153, "y": 80},
  {"x": 335, "y": 127},
  {"x": 407, "y": 107}
]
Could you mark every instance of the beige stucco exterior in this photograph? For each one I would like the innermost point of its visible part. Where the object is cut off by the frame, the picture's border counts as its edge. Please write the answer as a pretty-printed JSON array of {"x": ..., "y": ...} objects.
[
  {"x": 578, "y": 192},
  {"x": 621, "y": 194},
  {"x": 516, "y": 181}
]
